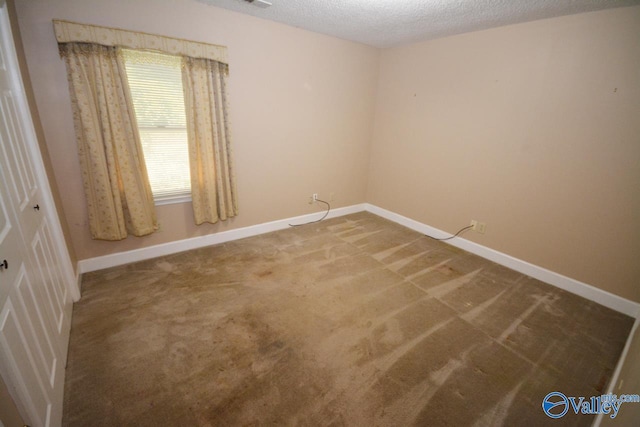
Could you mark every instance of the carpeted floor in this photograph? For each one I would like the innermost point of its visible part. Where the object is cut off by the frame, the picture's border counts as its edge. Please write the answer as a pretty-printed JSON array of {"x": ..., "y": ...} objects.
[{"x": 352, "y": 321}]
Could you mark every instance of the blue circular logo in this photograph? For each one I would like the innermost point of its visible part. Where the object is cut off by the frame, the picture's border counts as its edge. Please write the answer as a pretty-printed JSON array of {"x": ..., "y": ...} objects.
[{"x": 555, "y": 404}]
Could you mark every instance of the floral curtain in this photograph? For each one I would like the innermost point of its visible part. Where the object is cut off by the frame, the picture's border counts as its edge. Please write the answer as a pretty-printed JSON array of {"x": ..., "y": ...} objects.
[
  {"x": 116, "y": 186},
  {"x": 213, "y": 188}
]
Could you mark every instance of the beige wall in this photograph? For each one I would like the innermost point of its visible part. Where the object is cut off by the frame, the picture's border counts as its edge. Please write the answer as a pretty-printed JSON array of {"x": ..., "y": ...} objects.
[
  {"x": 302, "y": 108},
  {"x": 533, "y": 129}
]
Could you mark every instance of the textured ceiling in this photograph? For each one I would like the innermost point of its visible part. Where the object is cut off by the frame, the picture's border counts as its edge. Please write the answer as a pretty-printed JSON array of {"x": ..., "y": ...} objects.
[{"x": 387, "y": 23}]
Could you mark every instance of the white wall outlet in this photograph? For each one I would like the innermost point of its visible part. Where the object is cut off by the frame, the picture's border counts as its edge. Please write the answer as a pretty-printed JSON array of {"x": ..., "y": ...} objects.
[
  {"x": 315, "y": 196},
  {"x": 332, "y": 197},
  {"x": 478, "y": 227}
]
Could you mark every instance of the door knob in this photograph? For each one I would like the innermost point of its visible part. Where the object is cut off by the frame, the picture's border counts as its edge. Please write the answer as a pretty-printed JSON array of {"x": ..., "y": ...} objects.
[
  {"x": 36, "y": 208},
  {"x": 4, "y": 265}
]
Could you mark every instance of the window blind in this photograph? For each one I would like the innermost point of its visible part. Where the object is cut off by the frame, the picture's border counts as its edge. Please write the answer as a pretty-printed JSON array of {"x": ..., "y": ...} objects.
[{"x": 155, "y": 82}]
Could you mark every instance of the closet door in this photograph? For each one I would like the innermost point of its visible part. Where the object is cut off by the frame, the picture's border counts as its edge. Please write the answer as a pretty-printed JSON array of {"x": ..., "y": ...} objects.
[{"x": 35, "y": 296}]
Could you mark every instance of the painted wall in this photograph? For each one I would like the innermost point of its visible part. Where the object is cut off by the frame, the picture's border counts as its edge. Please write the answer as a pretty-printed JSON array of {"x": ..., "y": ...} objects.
[
  {"x": 533, "y": 129},
  {"x": 302, "y": 107}
]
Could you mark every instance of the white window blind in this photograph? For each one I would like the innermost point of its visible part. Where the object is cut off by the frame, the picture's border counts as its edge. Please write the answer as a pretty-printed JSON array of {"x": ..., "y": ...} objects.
[{"x": 155, "y": 82}]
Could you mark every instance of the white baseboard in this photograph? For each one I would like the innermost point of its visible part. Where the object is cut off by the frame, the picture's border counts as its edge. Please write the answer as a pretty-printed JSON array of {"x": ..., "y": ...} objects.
[
  {"x": 592, "y": 293},
  {"x": 78, "y": 284},
  {"x": 121, "y": 258},
  {"x": 589, "y": 292}
]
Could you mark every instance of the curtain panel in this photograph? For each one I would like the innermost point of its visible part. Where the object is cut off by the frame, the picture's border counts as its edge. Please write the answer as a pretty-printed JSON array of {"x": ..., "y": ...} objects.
[
  {"x": 213, "y": 188},
  {"x": 116, "y": 183},
  {"x": 119, "y": 198}
]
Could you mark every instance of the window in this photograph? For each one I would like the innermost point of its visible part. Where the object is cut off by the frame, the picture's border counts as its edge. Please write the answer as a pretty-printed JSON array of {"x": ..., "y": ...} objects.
[
  {"x": 155, "y": 83},
  {"x": 118, "y": 196}
]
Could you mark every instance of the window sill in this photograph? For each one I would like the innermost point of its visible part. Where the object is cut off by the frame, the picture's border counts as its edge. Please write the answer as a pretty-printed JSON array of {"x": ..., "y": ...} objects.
[{"x": 172, "y": 200}]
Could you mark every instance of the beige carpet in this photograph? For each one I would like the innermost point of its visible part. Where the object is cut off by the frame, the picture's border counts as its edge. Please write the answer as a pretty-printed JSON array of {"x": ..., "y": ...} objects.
[{"x": 352, "y": 321}]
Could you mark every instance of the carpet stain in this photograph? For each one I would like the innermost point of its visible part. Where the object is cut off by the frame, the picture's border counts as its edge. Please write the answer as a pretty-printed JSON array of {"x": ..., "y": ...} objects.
[{"x": 347, "y": 322}]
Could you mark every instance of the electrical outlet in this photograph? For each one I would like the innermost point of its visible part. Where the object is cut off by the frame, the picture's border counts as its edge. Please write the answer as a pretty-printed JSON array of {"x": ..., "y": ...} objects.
[
  {"x": 481, "y": 227},
  {"x": 332, "y": 197},
  {"x": 478, "y": 227},
  {"x": 315, "y": 196}
]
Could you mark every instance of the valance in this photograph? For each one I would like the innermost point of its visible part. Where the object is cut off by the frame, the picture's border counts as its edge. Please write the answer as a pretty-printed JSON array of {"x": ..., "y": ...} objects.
[{"x": 69, "y": 32}]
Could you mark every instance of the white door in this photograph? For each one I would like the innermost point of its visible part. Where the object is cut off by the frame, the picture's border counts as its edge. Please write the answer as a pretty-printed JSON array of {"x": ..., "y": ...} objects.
[{"x": 35, "y": 288}]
